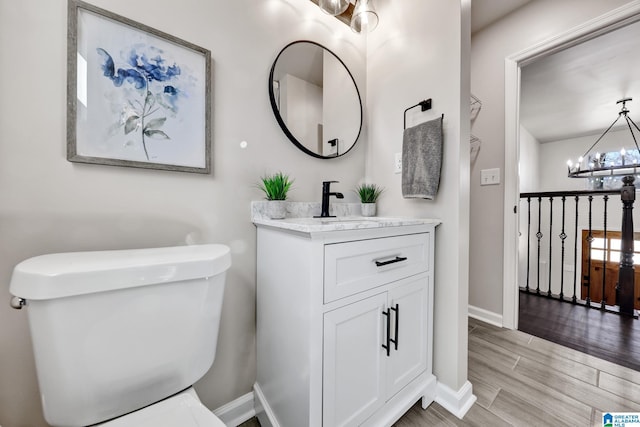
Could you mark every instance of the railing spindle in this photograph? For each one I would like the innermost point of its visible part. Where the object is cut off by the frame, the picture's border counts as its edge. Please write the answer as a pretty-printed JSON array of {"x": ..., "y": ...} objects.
[
  {"x": 562, "y": 236},
  {"x": 590, "y": 241},
  {"x": 539, "y": 236},
  {"x": 550, "y": 241},
  {"x": 528, "y": 239},
  {"x": 606, "y": 255},
  {"x": 574, "y": 299}
]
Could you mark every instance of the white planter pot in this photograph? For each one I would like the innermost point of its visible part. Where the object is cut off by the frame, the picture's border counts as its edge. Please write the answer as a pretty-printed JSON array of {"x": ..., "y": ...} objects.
[
  {"x": 276, "y": 209},
  {"x": 368, "y": 209}
]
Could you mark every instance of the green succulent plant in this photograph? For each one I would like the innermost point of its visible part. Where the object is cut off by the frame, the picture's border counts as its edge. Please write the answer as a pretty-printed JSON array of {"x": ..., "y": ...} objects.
[
  {"x": 276, "y": 186},
  {"x": 369, "y": 193}
]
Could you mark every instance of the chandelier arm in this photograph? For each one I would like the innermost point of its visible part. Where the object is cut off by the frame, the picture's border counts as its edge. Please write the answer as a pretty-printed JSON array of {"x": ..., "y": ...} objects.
[
  {"x": 601, "y": 136},
  {"x": 629, "y": 122},
  {"x": 633, "y": 123}
]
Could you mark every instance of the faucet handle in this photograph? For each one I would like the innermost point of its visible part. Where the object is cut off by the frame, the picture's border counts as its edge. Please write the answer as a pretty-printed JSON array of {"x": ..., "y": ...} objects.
[{"x": 326, "y": 186}]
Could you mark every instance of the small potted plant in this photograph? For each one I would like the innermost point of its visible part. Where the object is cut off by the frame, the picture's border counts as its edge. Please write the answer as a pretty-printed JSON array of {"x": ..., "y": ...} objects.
[
  {"x": 275, "y": 188},
  {"x": 368, "y": 194}
]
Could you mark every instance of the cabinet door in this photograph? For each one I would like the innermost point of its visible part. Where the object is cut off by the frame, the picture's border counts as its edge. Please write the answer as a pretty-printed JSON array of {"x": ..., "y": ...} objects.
[
  {"x": 354, "y": 367},
  {"x": 410, "y": 358}
]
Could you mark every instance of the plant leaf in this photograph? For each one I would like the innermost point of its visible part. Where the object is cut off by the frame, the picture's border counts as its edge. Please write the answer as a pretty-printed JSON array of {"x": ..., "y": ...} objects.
[
  {"x": 156, "y": 134},
  {"x": 149, "y": 101},
  {"x": 155, "y": 123},
  {"x": 276, "y": 186},
  {"x": 131, "y": 124},
  {"x": 369, "y": 193}
]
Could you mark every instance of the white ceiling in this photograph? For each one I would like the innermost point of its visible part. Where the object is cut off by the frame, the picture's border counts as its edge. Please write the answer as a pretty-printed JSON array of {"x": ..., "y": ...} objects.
[
  {"x": 486, "y": 12},
  {"x": 574, "y": 92}
]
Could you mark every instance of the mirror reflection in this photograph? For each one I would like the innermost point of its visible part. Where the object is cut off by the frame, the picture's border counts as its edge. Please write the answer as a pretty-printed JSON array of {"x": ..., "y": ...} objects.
[{"x": 315, "y": 99}]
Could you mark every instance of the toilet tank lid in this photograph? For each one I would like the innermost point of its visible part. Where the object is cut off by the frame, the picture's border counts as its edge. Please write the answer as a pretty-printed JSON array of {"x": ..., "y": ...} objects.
[{"x": 76, "y": 273}]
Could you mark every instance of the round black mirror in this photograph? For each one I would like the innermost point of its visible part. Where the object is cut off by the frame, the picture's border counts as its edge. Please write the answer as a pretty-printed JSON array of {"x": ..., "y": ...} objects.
[{"x": 315, "y": 99}]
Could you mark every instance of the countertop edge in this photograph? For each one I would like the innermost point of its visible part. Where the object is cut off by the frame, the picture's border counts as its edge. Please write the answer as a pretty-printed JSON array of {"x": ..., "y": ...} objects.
[{"x": 348, "y": 224}]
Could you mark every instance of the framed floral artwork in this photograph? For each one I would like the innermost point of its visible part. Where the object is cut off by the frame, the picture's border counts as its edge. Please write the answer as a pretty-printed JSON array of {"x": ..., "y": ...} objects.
[{"x": 136, "y": 96}]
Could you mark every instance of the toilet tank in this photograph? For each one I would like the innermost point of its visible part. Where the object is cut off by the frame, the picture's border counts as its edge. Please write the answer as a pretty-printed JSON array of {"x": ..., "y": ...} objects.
[{"x": 114, "y": 331}]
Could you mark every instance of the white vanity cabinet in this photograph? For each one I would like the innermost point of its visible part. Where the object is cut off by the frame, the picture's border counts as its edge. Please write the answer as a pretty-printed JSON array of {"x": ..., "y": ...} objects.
[
  {"x": 358, "y": 377},
  {"x": 344, "y": 324}
]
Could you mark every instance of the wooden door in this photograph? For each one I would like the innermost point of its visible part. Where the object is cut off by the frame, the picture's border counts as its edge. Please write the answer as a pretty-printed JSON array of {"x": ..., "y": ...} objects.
[{"x": 605, "y": 266}]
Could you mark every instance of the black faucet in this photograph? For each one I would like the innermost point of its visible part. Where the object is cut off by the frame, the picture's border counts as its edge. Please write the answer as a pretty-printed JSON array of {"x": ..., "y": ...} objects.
[{"x": 326, "y": 193}]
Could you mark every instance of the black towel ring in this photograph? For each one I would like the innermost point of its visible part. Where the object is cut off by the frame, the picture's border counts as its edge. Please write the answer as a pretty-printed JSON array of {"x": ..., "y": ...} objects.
[{"x": 424, "y": 106}]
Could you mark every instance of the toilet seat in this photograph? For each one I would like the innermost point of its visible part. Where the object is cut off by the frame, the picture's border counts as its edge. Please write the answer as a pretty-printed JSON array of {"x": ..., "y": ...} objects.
[{"x": 181, "y": 410}]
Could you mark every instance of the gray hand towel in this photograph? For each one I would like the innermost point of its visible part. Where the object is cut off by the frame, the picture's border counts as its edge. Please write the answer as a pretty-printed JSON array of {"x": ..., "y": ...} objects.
[{"x": 422, "y": 160}]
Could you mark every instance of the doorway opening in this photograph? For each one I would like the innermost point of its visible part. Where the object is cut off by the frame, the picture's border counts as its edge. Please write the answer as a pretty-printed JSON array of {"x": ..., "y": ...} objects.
[{"x": 514, "y": 64}]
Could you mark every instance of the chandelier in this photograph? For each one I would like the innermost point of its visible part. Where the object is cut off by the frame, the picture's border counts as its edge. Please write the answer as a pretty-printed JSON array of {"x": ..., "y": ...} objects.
[{"x": 596, "y": 164}]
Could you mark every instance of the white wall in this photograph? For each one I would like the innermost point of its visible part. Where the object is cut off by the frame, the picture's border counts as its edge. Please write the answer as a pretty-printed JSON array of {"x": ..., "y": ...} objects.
[
  {"x": 338, "y": 114},
  {"x": 532, "y": 24},
  {"x": 51, "y": 205},
  {"x": 301, "y": 110},
  {"x": 529, "y": 160},
  {"x": 419, "y": 51}
]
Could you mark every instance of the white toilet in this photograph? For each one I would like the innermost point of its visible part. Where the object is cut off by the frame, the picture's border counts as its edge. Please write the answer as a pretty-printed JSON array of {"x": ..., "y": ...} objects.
[{"x": 119, "y": 337}]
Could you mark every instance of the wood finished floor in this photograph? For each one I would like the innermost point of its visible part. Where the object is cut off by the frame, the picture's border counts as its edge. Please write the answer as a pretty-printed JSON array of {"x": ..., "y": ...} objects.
[
  {"x": 522, "y": 380},
  {"x": 605, "y": 335}
]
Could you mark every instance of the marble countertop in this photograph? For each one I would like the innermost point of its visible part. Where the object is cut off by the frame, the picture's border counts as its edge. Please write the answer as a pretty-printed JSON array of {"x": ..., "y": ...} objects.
[
  {"x": 300, "y": 218},
  {"x": 313, "y": 225}
]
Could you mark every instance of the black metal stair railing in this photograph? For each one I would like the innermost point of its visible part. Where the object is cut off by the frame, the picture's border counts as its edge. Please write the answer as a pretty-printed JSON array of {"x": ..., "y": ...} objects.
[{"x": 545, "y": 221}]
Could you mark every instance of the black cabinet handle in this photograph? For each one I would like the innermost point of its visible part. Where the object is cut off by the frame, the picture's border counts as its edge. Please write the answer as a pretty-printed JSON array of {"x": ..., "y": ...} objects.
[
  {"x": 397, "y": 310},
  {"x": 391, "y": 261},
  {"x": 388, "y": 340}
]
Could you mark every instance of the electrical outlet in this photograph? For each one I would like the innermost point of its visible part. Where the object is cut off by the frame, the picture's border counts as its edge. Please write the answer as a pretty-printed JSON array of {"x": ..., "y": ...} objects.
[
  {"x": 490, "y": 176},
  {"x": 397, "y": 163}
]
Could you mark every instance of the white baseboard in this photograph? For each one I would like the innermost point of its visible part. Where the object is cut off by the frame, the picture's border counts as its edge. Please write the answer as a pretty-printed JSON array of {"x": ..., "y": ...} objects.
[
  {"x": 246, "y": 406},
  {"x": 456, "y": 402},
  {"x": 486, "y": 316},
  {"x": 265, "y": 414},
  {"x": 237, "y": 411}
]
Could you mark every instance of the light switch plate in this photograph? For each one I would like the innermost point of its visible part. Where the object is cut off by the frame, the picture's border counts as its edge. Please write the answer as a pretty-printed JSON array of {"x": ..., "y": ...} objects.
[{"x": 490, "y": 176}]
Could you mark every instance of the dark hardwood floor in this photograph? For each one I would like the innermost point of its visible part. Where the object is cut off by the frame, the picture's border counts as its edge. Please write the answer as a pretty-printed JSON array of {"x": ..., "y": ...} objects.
[{"x": 605, "y": 335}]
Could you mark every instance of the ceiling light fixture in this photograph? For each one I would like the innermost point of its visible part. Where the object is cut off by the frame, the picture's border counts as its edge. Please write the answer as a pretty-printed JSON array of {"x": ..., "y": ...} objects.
[
  {"x": 599, "y": 165},
  {"x": 364, "y": 18},
  {"x": 333, "y": 7}
]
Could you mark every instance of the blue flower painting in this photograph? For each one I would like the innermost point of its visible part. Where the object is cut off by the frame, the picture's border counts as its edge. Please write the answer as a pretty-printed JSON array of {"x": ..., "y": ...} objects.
[
  {"x": 136, "y": 96},
  {"x": 152, "y": 90}
]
